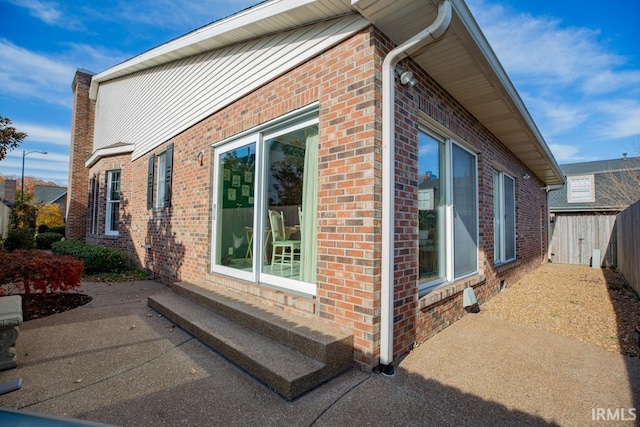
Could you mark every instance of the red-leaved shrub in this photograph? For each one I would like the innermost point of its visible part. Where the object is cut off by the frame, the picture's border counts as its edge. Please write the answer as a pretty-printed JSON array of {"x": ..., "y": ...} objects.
[{"x": 34, "y": 272}]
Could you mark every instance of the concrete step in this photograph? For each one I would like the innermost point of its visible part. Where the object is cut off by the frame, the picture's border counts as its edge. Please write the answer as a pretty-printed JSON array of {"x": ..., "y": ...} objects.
[{"x": 291, "y": 355}]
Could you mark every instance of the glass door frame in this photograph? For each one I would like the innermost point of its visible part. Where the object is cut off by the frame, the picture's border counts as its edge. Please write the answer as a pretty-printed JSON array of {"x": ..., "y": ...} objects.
[
  {"x": 216, "y": 244},
  {"x": 259, "y": 136}
]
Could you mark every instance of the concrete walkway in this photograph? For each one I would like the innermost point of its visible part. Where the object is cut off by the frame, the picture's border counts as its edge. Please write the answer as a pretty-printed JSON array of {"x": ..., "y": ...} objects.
[{"x": 116, "y": 361}]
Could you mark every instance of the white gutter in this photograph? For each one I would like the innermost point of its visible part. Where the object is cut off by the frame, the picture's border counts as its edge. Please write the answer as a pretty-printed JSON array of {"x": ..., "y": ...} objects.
[{"x": 423, "y": 38}]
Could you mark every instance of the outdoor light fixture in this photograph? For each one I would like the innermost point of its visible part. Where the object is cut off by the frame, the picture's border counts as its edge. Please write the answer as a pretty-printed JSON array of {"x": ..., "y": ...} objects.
[
  {"x": 406, "y": 77},
  {"x": 526, "y": 176},
  {"x": 24, "y": 154},
  {"x": 199, "y": 156}
]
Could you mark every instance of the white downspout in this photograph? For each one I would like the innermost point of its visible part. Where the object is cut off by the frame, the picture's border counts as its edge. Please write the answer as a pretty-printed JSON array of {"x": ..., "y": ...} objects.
[{"x": 430, "y": 34}]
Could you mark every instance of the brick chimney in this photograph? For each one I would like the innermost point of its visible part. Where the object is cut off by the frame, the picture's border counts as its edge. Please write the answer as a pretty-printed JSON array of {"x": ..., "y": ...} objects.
[
  {"x": 9, "y": 191},
  {"x": 82, "y": 122}
]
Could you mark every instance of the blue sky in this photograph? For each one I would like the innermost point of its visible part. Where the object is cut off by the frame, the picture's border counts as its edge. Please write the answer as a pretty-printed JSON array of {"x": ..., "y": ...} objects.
[{"x": 576, "y": 65}]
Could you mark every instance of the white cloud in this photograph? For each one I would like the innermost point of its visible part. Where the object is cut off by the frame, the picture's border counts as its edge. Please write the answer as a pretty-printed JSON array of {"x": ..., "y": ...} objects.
[
  {"x": 171, "y": 14},
  {"x": 623, "y": 119},
  {"x": 568, "y": 153},
  {"x": 28, "y": 74},
  {"x": 48, "y": 167},
  {"x": 557, "y": 115},
  {"x": 582, "y": 94},
  {"x": 607, "y": 81},
  {"x": 49, "y": 12},
  {"x": 542, "y": 51},
  {"x": 24, "y": 73},
  {"x": 93, "y": 58},
  {"x": 39, "y": 133}
]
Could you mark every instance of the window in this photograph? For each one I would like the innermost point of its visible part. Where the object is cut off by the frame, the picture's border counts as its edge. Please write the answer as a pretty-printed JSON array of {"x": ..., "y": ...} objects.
[
  {"x": 159, "y": 179},
  {"x": 580, "y": 189},
  {"x": 113, "y": 202},
  {"x": 504, "y": 218},
  {"x": 93, "y": 203},
  {"x": 161, "y": 189},
  {"x": 265, "y": 205},
  {"x": 447, "y": 209}
]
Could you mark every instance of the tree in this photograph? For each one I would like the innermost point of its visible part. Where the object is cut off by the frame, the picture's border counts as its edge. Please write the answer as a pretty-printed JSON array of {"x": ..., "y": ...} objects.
[
  {"x": 30, "y": 184},
  {"x": 49, "y": 215},
  {"x": 10, "y": 138},
  {"x": 620, "y": 189}
]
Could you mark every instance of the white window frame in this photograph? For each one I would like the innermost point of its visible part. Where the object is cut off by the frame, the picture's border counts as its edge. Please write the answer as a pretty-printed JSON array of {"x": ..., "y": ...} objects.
[
  {"x": 161, "y": 179},
  {"x": 288, "y": 123},
  {"x": 576, "y": 192},
  {"x": 500, "y": 232},
  {"x": 111, "y": 202},
  {"x": 446, "y": 138}
]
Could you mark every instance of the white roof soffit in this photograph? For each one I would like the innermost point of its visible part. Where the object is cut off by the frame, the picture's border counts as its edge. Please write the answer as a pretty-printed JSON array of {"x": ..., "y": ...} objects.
[
  {"x": 465, "y": 65},
  {"x": 113, "y": 150}
]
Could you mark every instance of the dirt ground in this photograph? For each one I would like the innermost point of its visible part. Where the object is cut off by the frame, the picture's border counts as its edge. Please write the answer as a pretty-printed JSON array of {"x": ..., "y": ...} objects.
[{"x": 594, "y": 306}]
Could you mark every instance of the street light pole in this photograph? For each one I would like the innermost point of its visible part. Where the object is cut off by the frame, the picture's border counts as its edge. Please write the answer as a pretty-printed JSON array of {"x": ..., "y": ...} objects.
[{"x": 24, "y": 154}]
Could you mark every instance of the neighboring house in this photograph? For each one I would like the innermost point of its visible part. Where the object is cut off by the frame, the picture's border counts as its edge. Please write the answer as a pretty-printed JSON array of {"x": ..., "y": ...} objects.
[
  {"x": 303, "y": 109},
  {"x": 7, "y": 202},
  {"x": 49, "y": 195},
  {"x": 583, "y": 212}
]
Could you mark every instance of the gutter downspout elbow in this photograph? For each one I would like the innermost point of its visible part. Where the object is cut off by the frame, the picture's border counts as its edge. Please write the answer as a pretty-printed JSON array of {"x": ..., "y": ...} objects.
[{"x": 423, "y": 38}]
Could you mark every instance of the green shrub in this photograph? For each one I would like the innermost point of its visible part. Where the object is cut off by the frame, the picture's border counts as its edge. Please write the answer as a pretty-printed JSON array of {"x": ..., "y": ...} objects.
[
  {"x": 44, "y": 240},
  {"x": 43, "y": 228},
  {"x": 19, "y": 238},
  {"x": 23, "y": 215},
  {"x": 97, "y": 259},
  {"x": 60, "y": 229}
]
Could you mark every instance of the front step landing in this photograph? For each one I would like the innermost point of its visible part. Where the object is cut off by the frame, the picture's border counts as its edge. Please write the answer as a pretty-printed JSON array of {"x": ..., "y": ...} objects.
[{"x": 291, "y": 355}]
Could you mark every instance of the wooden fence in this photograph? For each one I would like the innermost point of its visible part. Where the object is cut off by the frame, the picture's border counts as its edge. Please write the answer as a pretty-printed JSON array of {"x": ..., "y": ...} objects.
[
  {"x": 575, "y": 236},
  {"x": 5, "y": 213},
  {"x": 628, "y": 234}
]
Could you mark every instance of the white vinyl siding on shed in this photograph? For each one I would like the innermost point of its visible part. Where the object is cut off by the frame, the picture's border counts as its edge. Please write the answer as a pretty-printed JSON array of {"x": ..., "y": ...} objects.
[{"x": 151, "y": 106}]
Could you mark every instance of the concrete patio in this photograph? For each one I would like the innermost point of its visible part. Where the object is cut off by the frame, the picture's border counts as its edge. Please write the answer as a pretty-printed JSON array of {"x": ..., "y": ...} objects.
[{"x": 118, "y": 362}]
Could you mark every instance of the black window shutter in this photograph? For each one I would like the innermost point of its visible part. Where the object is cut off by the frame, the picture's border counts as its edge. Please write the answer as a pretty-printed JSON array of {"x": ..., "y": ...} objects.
[
  {"x": 152, "y": 161},
  {"x": 168, "y": 176}
]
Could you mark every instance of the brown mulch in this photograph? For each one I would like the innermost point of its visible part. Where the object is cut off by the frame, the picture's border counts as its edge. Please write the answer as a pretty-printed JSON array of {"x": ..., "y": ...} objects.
[
  {"x": 594, "y": 306},
  {"x": 42, "y": 305}
]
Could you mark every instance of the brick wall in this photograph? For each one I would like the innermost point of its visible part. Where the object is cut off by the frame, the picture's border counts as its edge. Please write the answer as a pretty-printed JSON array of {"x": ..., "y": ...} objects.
[
  {"x": 100, "y": 170},
  {"x": 82, "y": 122},
  {"x": 8, "y": 191},
  {"x": 345, "y": 81},
  {"x": 416, "y": 319}
]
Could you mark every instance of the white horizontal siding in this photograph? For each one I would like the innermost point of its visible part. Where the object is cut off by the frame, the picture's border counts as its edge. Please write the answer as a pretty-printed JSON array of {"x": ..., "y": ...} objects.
[{"x": 151, "y": 106}]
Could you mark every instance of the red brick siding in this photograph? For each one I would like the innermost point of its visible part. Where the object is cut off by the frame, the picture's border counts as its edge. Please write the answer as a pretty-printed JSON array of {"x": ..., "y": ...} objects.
[
  {"x": 345, "y": 81},
  {"x": 81, "y": 149},
  {"x": 414, "y": 325}
]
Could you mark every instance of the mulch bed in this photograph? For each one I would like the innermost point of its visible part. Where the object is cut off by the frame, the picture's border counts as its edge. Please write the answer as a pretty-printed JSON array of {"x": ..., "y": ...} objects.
[
  {"x": 594, "y": 306},
  {"x": 43, "y": 305}
]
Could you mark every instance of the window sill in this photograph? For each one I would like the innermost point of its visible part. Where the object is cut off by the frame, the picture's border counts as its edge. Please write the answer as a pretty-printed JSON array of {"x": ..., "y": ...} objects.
[
  {"x": 505, "y": 266},
  {"x": 431, "y": 297}
]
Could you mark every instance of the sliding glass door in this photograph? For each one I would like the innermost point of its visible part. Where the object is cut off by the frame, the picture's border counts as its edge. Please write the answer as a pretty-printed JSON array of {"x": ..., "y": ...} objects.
[{"x": 265, "y": 214}]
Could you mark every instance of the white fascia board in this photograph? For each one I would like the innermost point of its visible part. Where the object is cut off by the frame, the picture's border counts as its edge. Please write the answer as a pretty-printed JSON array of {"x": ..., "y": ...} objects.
[
  {"x": 242, "y": 19},
  {"x": 108, "y": 151},
  {"x": 472, "y": 27}
]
